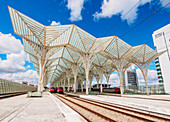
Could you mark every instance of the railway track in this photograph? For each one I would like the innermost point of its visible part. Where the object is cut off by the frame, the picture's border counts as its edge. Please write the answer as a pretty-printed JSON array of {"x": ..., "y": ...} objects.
[
  {"x": 147, "y": 98},
  {"x": 88, "y": 114},
  {"x": 106, "y": 112}
]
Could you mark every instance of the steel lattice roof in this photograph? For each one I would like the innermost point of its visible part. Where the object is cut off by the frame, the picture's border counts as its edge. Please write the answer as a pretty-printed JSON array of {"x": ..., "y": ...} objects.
[{"x": 60, "y": 46}]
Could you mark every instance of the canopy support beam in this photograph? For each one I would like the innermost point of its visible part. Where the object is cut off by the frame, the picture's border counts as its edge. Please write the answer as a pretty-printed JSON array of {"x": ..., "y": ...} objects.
[
  {"x": 101, "y": 72},
  {"x": 107, "y": 79},
  {"x": 68, "y": 74},
  {"x": 87, "y": 63},
  {"x": 74, "y": 68},
  {"x": 119, "y": 63},
  {"x": 97, "y": 78},
  {"x": 144, "y": 69}
]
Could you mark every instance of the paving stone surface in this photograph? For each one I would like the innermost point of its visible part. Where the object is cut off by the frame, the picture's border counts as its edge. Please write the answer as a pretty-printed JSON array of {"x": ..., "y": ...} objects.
[{"x": 42, "y": 109}]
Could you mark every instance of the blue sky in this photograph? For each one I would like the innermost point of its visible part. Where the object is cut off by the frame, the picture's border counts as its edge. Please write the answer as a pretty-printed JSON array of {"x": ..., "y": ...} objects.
[{"x": 95, "y": 17}]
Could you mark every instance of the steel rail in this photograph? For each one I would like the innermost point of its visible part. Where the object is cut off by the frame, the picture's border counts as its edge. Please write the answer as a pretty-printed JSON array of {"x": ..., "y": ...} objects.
[
  {"x": 129, "y": 111},
  {"x": 87, "y": 109},
  {"x": 116, "y": 95}
]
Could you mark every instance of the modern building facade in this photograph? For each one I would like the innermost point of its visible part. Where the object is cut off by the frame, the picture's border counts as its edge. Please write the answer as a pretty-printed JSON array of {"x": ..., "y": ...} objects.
[
  {"x": 161, "y": 38},
  {"x": 159, "y": 73},
  {"x": 130, "y": 78}
]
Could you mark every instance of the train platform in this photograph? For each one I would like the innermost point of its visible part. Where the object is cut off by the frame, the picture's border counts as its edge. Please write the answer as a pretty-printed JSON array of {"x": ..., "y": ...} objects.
[
  {"x": 40, "y": 109},
  {"x": 146, "y": 103}
]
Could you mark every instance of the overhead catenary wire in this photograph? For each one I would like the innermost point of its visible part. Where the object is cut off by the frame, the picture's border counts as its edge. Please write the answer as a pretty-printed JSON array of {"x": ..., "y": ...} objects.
[
  {"x": 114, "y": 25},
  {"x": 148, "y": 42},
  {"x": 144, "y": 20}
]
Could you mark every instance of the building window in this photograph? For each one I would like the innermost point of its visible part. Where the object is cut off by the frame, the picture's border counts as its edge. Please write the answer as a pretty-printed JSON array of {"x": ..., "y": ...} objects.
[
  {"x": 158, "y": 35},
  {"x": 159, "y": 73},
  {"x": 158, "y": 69}
]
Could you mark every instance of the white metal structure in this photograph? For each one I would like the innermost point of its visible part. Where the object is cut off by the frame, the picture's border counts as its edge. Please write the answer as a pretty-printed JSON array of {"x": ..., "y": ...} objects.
[
  {"x": 161, "y": 39},
  {"x": 67, "y": 51}
]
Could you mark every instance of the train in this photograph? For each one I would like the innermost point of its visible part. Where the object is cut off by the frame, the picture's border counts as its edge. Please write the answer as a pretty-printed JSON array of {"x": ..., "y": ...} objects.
[
  {"x": 56, "y": 90},
  {"x": 108, "y": 90},
  {"x": 52, "y": 90}
]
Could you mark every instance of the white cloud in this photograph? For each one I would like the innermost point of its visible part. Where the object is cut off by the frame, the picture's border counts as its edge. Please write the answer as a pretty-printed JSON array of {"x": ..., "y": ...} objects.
[
  {"x": 13, "y": 66},
  {"x": 55, "y": 23},
  {"x": 164, "y": 2},
  {"x": 14, "y": 63},
  {"x": 30, "y": 76},
  {"x": 15, "y": 55},
  {"x": 152, "y": 77},
  {"x": 75, "y": 6},
  {"x": 119, "y": 7},
  {"x": 9, "y": 44}
]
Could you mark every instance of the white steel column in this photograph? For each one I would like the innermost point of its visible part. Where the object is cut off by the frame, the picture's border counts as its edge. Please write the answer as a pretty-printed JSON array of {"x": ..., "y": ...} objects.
[
  {"x": 101, "y": 72},
  {"x": 87, "y": 63},
  {"x": 41, "y": 75},
  {"x": 144, "y": 69},
  {"x": 68, "y": 73},
  {"x": 74, "y": 68},
  {"x": 119, "y": 67},
  {"x": 64, "y": 83},
  {"x": 107, "y": 79},
  {"x": 97, "y": 78}
]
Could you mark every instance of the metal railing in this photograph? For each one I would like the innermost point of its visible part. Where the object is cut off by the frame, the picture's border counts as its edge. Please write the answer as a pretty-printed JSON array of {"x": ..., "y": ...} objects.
[
  {"x": 153, "y": 89},
  {"x": 7, "y": 87}
]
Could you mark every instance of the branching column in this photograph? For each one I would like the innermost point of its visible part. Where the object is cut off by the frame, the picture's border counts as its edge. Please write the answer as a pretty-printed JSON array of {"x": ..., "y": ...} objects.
[
  {"x": 107, "y": 79},
  {"x": 41, "y": 75},
  {"x": 119, "y": 67},
  {"x": 74, "y": 68},
  {"x": 68, "y": 74},
  {"x": 97, "y": 78},
  {"x": 64, "y": 83},
  {"x": 144, "y": 69},
  {"x": 81, "y": 76},
  {"x": 87, "y": 63},
  {"x": 100, "y": 71}
]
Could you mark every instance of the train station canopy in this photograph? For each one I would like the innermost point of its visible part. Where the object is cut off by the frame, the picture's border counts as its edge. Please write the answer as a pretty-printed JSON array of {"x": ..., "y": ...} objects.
[{"x": 59, "y": 51}]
